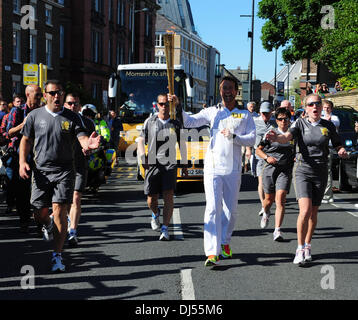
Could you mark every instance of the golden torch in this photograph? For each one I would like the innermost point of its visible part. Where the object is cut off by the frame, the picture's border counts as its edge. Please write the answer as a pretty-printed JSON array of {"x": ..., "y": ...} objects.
[{"x": 169, "y": 53}]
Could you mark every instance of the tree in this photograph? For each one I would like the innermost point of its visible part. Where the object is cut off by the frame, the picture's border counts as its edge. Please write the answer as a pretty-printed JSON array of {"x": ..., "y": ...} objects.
[
  {"x": 340, "y": 45},
  {"x": 297, "y": 26}
]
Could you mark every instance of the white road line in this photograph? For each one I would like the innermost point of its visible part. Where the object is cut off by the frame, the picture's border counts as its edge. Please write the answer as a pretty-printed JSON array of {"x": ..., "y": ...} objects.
[
  {"x": 187, "y": 287},
  {"x": 347, "y": 206},
  {"x": 177, "y": 230}
]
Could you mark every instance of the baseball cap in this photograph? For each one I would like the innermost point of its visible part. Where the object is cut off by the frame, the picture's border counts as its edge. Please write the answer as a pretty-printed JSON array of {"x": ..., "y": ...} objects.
[{"x": 266, "y": 107}]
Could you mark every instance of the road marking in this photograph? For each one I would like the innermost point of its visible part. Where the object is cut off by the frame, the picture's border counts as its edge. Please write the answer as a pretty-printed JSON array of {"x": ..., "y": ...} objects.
[
  {"x": 177, "y": 230},
  {"x": 187, "y": 286},
  {"x": 346, "y": 205}
]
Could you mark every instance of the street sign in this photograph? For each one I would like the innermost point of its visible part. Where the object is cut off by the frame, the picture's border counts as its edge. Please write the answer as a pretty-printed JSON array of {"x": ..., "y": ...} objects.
[
  {"x": 30, "y": 74},
  {"x": 280, "y": 87},
  {"x": 43, "y": 75}
]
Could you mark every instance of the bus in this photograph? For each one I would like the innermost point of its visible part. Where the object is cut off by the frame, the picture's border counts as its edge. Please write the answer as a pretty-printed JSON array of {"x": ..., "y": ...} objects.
[{"x": 133, "y": 92}]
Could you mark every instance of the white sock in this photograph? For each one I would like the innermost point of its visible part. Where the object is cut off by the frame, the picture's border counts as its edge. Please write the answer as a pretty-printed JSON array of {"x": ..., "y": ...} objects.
[{"x": 300, "y": 247}]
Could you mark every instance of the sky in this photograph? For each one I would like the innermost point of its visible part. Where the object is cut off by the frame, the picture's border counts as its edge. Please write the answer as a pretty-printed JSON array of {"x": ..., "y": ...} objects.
[{"x": 219, "y": 24}]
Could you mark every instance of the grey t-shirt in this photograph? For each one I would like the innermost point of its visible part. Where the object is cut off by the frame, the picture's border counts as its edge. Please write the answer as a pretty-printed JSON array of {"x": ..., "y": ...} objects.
[
  {"x": 161, "y": 139},
  {"x": 284, "y": 153},
  {"x": 54, "y": 136},
  {"x": 313, "y": 140}
]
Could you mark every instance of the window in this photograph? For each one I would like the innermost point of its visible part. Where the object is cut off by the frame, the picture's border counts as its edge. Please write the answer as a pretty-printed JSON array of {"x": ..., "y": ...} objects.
[
  {"x": 61, "y": 2},
  {"x": 120, "y": 13},
  {"x": 97, "y": 46},
  {"x": 110, "y": 52},
  {"x": 62, "y": 41},
  {"x": 97, "y": 5},
  {"x": 33, "y": 48},
  {"x": 16, "y": 6},
  {"x": 110, "y": 10},
  {"x": 159, "y": 42},
  {"x": 96, "y": 90},
  {"x": 48, "y": 15},
  {"x": 147, "y": 24},
  {"x": 49, "y": 50},
  {"x": 16, "y": 42}
]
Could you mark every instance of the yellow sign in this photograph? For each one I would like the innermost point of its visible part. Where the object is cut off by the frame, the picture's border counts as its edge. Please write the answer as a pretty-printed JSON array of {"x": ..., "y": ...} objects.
[{"x": 31, "y": 74}]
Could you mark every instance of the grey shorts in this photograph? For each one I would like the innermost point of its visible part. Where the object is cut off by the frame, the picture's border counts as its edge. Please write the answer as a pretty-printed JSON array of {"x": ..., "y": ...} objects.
[
  {"x": 158, "y": 179},
  {"x": 310, "y": 182},
  {"x": 277, "y": 178},
  {"x": 81, "y": 179},
  {"x": 259, "y": 167},
  {"x": 52, "y": 187}
]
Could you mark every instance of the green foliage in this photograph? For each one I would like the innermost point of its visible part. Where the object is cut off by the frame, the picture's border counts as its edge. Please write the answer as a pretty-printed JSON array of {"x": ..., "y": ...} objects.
[
  {"x": 296, "y": 25},
  {"x": 340, "y": 45}
]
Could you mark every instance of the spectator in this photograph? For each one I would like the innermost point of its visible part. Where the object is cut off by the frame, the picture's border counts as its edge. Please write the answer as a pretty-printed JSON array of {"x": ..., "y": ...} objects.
[
  {"x": 19, "y": 188},
  {"x": 115, "y": 126},
  {"x": 3, "y": 109},
  {"x": 337, "y": 86}
]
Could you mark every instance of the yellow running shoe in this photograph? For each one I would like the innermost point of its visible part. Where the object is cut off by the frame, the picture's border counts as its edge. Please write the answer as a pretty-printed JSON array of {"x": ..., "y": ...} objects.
[
  {"x": 211, "y": 261},
  {"x": 226, "y": 252}
]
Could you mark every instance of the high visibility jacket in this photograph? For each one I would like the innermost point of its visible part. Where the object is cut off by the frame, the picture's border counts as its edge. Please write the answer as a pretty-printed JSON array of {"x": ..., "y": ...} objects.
[{"x": 102, "y": 129}]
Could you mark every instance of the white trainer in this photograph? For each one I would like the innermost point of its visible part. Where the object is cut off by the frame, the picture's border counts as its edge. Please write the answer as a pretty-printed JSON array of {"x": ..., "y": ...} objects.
[
  {"x": 308, "y": 256},
  {"x": 47, "y": 231},
  {"x": 164, "y": 236},
  {"x": 261, "y": 212},
  {"x": 300, "y": 257},
  {"x": 277, "y": 235},
  {"x": 155, "y": 223},
  {"x": 264, "y": 220}
]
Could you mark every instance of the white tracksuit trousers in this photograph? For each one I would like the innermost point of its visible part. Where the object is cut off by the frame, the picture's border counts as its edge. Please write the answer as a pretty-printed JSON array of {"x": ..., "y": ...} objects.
[{"x": 221, "y": 192}]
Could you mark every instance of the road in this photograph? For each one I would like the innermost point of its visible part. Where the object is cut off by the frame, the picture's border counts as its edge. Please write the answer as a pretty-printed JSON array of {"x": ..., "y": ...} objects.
[{"x": 120, "y": 257}]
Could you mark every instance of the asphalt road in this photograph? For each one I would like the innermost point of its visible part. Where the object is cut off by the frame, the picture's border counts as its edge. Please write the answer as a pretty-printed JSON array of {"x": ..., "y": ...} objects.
[{"x": 120, "y": 257}]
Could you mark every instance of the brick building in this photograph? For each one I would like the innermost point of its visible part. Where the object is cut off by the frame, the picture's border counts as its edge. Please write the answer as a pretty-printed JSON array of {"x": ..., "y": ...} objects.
[
  {"x": 20, "y": 43},
  {"x": 80, "y": 41},
  {"x": 98, "y": 37}
]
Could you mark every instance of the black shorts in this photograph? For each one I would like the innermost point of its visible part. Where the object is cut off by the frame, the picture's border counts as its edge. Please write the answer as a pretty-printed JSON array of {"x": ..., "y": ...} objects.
[
  {"x": 52, "y": 187},
  {"x": 159, "y": 178},
  {"x": 81, "y": 179}
]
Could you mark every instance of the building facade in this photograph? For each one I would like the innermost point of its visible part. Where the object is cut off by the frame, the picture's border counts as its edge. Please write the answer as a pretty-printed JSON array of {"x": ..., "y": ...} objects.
[
  {"x": 29, "y": 33},
  {"x": 80, "y": 41},
  {"x": 100, "y": 35}
]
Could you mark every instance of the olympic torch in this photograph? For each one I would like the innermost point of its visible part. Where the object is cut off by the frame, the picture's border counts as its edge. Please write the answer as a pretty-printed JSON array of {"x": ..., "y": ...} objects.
[{"x": 169, "y": 53}]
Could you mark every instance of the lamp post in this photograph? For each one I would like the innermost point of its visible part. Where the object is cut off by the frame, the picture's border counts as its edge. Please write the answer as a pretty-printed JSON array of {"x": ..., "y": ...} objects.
[
  {"x": 251, "y": 35},
  {"x": 133, "y": 31}
]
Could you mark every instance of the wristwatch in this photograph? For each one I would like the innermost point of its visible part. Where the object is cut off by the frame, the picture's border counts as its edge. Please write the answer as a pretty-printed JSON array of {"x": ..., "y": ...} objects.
[{"x": 266, "y": 157}]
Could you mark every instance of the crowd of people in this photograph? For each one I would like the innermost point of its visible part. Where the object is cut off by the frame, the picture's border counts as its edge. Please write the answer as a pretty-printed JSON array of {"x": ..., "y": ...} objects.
[
  {"x": 45, "y": 152},
  {"x": 52, "y": 143}
]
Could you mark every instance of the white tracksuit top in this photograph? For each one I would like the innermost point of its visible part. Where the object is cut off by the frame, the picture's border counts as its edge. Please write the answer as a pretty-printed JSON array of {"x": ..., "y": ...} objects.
[{"x": 223, "y": 155}]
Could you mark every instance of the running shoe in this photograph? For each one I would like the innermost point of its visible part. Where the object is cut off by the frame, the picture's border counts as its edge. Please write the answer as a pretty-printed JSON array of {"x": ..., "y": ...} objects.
[
  {"x": 261, "y": 212},
  {"x": 308, "y": 257},
  {"x": 277, "y": 235},
  {"x": 211, "y": 261},
  {"x": 57, "y": 264},
  {"x": 72, "y": 239},
  {"x": 155, "y": 221},
  {"x": 164, "y": 235},
  {"x": 300, "y": 257},
  {"x": 264, "y": 220},
  {"x": 226, "y": 252},
  {"x": 47, "y": 231}
]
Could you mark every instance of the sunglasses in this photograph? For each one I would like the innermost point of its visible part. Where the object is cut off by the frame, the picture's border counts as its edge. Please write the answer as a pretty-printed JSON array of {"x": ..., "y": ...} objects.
[
  {"x": 314, "y": 103},
  {"x": 282, "y": 119},
  {"x": 53, "y": 93},
  {"x": 163, "y": 103},
  {"x": 70, "y": 103}
]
